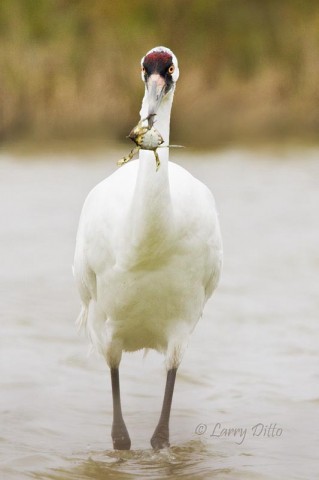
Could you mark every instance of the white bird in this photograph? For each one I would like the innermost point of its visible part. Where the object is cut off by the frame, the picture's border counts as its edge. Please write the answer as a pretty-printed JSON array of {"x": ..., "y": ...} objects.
[{"x": 148, "y": 253}]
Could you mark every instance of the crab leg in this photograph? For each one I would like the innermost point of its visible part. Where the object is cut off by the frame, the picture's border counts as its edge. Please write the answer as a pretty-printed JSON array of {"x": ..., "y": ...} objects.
[
  {"x": 129, "y": 157},
  {"x": 158, "y": 163}
]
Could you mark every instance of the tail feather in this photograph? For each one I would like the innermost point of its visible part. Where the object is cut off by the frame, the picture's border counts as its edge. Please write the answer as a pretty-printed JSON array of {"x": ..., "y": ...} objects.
[
  {"x": 87, "y": 321},
  {"x": 81, "y": 321}
]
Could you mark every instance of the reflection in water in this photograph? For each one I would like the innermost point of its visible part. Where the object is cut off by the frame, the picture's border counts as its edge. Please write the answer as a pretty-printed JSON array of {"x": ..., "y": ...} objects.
[{"x": 253, "y": 358}]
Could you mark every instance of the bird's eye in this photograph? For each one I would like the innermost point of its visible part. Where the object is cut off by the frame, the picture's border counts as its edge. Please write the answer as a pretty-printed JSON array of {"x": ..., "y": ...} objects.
[
  {"x": 143, "y": 70},
  {"x": 171, "y": 69}
]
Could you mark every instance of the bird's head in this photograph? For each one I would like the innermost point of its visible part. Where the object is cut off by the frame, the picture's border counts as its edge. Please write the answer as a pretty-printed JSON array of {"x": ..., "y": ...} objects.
[{"x": 159, "y": 70}]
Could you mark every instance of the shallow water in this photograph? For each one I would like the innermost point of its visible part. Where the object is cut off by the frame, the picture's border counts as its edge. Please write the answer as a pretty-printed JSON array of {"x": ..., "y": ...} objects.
[{"x": 252, "y": 364}]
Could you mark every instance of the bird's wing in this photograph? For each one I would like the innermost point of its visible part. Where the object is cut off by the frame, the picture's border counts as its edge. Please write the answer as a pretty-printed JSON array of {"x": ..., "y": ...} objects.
[
  {"x": 197, "y": 211},
  {"x": 215, "y": 248},
  {"x": 216, "y": 266},
  {"x": 93, "y": 251},
  {"x": 84, "y": 276}
]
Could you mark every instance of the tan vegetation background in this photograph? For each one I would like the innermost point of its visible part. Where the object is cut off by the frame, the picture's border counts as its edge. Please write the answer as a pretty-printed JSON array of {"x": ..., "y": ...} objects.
[{"x": 249, "y": 68}]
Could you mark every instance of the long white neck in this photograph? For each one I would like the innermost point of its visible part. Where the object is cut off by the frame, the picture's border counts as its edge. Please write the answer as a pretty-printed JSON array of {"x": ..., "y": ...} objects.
[
  {"x": 163, "y": 116},
  {"x": 151, "y": 210}
]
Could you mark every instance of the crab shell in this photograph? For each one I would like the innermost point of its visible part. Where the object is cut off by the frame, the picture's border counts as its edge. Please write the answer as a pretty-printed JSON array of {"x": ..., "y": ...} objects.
[{"x": 146, "y": 138}]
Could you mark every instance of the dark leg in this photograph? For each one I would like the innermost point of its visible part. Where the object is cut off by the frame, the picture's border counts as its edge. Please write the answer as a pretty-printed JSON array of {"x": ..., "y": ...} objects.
[
  {"x": 120, "y": 436},
  {"x": 160, "y": 438}
]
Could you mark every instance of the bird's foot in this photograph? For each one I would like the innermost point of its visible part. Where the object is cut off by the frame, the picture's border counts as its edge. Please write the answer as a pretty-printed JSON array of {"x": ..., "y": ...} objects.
[
  {"x": 120, "y": 437},
  {"x": 160, "y": 438}
]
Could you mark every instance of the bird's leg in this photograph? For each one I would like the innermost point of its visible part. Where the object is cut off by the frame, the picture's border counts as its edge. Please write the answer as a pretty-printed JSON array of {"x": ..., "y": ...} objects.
[
  {"x": 158, "y": 163},
  {"x": 120, "y": 436},
  {"x": 160, "y": 438}
]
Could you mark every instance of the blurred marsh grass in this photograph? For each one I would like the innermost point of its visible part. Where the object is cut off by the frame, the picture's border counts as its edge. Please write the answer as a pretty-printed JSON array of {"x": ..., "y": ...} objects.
[{"x": 249, "y": 68}]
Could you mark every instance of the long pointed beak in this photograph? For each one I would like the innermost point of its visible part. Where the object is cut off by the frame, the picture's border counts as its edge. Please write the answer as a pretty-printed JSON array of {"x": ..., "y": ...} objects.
[{"x": 155, "y": 88}]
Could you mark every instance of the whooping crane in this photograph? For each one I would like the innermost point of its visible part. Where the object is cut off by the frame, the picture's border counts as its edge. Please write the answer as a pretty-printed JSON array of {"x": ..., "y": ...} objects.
[{"x": 148, "y": 253}]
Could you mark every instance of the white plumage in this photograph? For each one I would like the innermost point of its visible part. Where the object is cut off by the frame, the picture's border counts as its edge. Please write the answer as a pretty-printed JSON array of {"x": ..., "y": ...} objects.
[{"x": 148, "y": 249}]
